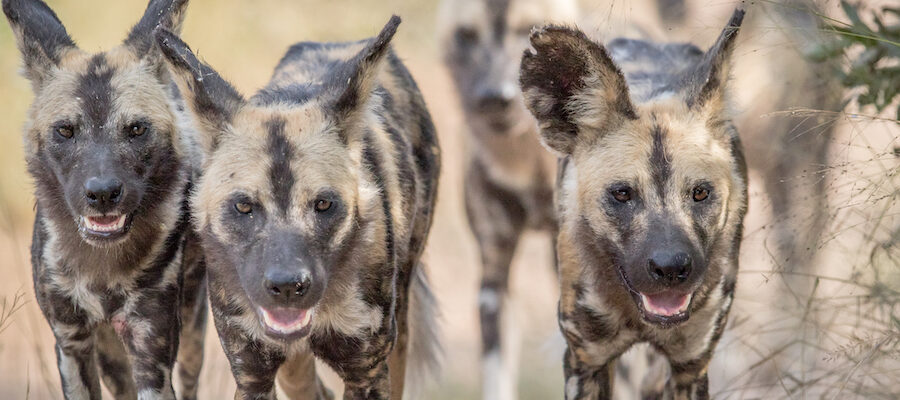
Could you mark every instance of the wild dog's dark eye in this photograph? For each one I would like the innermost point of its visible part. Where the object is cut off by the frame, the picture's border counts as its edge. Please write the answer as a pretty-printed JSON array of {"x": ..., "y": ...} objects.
[
  {"x": 136, "y": 129},
  {"x": 466, "y": 36},
  {"x": 700, "y": 193},
  {"x": 622, "y": 194},
  {"x": 323, "y": 205},
  {"x": 243, "y": 208},
  {"x": 65, "y": 131}
]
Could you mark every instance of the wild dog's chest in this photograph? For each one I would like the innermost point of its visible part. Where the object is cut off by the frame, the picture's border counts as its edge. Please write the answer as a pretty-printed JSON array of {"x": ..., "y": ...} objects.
[
  {"x": 64, "y": 297},
  {"x": 95, "y": 288}
]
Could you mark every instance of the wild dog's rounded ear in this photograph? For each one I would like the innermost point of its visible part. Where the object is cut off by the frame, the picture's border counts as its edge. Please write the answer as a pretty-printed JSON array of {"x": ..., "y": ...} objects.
[
  {"x": 212, "y": 100},
  {"x": 40, "y": 36},
  {"x": 166, "y": 14},
  {"x": 354, "y": 81},
  {"x": 572, "y": 87},
  {"x": 707, "y": 86}
]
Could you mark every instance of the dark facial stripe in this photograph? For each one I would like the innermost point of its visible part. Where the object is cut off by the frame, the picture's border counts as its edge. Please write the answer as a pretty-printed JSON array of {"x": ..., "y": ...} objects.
[
  {"x": 281, "y": 177},
  {"x": 660, "y": 167},
  {"x": 95, "y": 91},
  {"x": 497, "y": 10},
  {"x": 373, "y": 161}
]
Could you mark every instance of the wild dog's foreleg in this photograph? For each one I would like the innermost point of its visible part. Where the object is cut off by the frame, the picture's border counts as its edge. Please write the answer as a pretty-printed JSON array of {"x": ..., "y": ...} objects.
[
  {"x": 587, "y": 382},
  {"x": 253, "y": 364},
  {"x": 75, "y": 358},
  {"x": 688, "y": 385},
  {"x": 374, "y": 384},
  {"x": 150, "y": 333},
  {"x": 299, "y": 381},
  {"x": 193, "y": 327},
  {"x": 115, "y": 368},
  {"x": 689, "y": 380},
  {"x": 361, "y": 360},
  {"x": 74, "y": 340},
  {"x": 496, "y": 218}
]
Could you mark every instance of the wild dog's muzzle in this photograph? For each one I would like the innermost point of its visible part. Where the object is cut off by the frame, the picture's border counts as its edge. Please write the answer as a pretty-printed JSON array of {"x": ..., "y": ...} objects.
[
  {"x": 291, "y": 296},
  {"x": 287, "y": 287},
  {"x": 663, "y": 277},
  {"x": 103, "y": 221}
]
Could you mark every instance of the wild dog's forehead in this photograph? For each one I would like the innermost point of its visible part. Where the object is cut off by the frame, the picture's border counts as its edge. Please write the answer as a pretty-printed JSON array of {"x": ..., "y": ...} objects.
[
  {"x": 295, "y": 151},
  {"x": 104, "y": 84},
  {"x": 661, "y": 145}
]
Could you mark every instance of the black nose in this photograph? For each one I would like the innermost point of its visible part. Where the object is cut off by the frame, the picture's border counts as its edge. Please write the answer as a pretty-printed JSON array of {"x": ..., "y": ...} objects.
[
  {"x": 494, "y": 99},
  {"x": 669, "y": 267},
  {"x": 286, "y": 286},
  {"x": 103, "y": 192}
]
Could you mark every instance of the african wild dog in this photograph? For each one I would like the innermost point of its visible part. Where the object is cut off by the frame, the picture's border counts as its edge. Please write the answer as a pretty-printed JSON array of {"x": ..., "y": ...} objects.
[
  {"x": 651, "y": 197},
  {"x": 509, "y": 177},
  {"x": 316, "y": 199},
  {"x": 112, "y": 253}
]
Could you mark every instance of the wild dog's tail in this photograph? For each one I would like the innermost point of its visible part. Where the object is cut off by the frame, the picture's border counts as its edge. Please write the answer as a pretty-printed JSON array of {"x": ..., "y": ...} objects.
[{"x": 425, "y": 352}]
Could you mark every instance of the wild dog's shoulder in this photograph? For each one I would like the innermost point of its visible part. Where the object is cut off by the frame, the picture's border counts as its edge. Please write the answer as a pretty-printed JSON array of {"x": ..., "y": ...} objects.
[
  {"x": 653, "y": 55},
  {"x": 652, "y": 69},
  {"x": 305, "y": 71}
]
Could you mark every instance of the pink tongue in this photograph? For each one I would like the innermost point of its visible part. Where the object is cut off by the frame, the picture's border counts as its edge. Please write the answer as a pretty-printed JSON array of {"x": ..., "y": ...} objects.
[
  {"x": 666, "y": 303},
  {"x": 105, "y": 220},
  {"x": 286, "y": 316}
]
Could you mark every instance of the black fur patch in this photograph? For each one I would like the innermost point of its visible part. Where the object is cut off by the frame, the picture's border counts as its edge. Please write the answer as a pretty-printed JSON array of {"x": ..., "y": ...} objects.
[
  {"x": 281, "y": 177},
  {"x": 660, "y": 167},
  {"x": 95, "y": 91},
  {"x": 498, "y": 10}
]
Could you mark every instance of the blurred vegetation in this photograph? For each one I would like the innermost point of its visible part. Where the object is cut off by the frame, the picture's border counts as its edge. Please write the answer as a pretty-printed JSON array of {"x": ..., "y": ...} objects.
[{"x": 872, "y": 50}]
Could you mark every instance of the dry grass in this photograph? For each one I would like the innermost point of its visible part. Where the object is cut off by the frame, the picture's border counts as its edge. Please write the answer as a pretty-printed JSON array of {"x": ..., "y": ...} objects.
[{"x": 830, "y": 332}]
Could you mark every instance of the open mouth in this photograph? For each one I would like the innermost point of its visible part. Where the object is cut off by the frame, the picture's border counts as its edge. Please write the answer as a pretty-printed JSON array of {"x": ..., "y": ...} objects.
[
  {"x": 666, "y": 308},
  {"x": 105, "y": 226},
  {"x": 286, "y": 323},
  {"x": 666, "y": 304}
]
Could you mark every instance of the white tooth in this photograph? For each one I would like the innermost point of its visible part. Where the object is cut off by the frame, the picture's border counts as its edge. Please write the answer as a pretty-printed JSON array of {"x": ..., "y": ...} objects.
[
  {"x": 687, "y": 301},
  {"x": 306, "y": 318}
]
